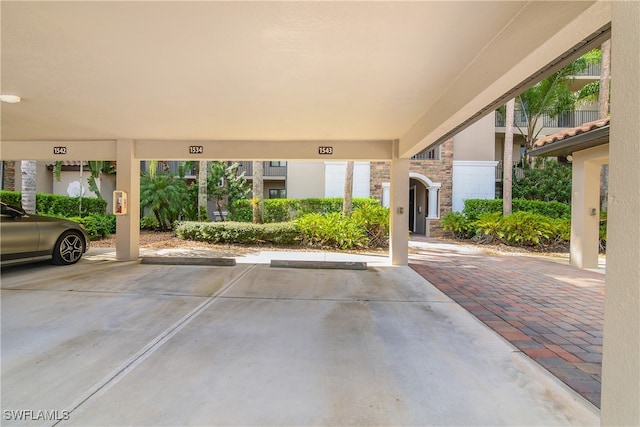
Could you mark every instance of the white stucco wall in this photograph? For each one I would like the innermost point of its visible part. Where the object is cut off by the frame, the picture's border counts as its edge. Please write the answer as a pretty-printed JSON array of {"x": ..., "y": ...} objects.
[
  {"x": 334, "y": 179},
  {"x": 69, "y": 184},
  {"x": 472, "y": 180}
]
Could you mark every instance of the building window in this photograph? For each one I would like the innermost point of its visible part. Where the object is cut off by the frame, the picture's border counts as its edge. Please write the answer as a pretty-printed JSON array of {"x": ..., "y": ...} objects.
[
  {"x": 275, "y": 193},
  {"x": 277, "y": 164}
]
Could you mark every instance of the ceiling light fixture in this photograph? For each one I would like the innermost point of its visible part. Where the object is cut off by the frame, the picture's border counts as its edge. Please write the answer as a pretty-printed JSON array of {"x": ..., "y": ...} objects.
[{"x": 11, "y": 99}]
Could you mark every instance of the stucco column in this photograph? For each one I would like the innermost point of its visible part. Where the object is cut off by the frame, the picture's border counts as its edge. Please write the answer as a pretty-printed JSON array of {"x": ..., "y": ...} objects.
[
  {"x": 621, "y": 358},
  {"x": 433, "y": 201},
  {"x": 128, "y": 180},
  {"x": 585, "y": 210},
  {"x": 399, "y": 213}
]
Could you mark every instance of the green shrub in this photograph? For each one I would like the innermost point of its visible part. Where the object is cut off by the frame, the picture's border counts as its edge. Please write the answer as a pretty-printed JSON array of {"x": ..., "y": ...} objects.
[
  {"x": 278, "y": 210},
  {"x": 97, "y": 226},
  {"x": 527, "y": 229},
  {"x": 238, "y": 232},
  {"x": 488, "y": 226},
  {"x": 149, "y": 222},
  {"x": 375, "y": 220},
  {"x": 473, "y": 208},
  {"x": 549, "y": 183},
  {"x": 457, "y": 224},
  {"x": 13, "y": 198},
  {"x": 241, "y": 211},
  {"x": 332, "y": 229},
  {"x": 59, "y": 205},
  {"x": 282, "y": 210}
]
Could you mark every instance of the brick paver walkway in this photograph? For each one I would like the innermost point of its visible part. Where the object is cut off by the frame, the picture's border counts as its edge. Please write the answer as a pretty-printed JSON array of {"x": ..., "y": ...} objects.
[{"x": 551, "y": 311}]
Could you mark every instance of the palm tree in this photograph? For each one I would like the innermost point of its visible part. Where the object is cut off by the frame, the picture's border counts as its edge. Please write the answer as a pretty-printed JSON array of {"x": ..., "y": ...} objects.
[
  {"x": 507, "y": 170},
  {"x": 347, "y": 201},
  {"x": 549, "y": 97},
  {"x": 28, "y": 169},
  {"x": 258, "y": 191},
  {"x": 203, "y": 196}
]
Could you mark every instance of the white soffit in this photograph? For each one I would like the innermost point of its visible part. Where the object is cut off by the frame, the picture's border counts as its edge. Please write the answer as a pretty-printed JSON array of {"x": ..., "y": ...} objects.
[{"x": 253, "y": 70}]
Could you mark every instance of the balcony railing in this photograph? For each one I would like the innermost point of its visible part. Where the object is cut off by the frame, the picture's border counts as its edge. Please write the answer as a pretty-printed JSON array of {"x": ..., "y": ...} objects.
[
  {"x": 567, "y": 119},
  {"x": 268, "y": 169},
  {"x": 519, "y": 172},
  {"x": 244, "y": 166},
  {"x": 592, "y": 70}
]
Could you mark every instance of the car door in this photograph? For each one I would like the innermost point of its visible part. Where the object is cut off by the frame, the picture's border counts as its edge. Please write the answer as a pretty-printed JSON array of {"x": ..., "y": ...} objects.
[{"x": 19, "y": 234}]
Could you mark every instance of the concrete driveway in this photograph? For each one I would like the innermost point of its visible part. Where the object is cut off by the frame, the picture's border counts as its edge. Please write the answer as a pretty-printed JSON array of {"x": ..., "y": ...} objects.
[{"x": 122, "y": 343}]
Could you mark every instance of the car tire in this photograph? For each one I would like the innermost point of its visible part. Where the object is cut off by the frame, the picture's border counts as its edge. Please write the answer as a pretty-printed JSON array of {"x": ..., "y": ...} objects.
[{"x": 69, "y": 248}]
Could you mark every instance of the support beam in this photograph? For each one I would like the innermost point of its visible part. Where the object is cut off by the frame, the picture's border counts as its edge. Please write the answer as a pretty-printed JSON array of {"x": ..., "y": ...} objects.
[
  {"x": 585, "y": 206},
  {"x": 330, "y": 150},
  {"x": 128, "y": 180},
  {"x": 399, "y": 210},
  {"x": 621, "y": 361}
]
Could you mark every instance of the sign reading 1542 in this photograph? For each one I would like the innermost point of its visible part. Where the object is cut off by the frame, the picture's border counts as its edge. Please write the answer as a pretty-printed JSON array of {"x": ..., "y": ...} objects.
[{"x": 196, "y": 149}]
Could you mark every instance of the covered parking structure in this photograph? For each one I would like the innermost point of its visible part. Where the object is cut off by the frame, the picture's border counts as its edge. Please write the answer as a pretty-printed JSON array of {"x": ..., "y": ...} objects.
[{"x": 127, "y": 81}]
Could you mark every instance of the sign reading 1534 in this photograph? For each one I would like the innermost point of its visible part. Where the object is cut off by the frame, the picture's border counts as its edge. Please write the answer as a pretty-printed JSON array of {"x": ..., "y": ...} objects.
[
  {"x": 325, "y": 150},
  {"x": 196, "y": 149}
]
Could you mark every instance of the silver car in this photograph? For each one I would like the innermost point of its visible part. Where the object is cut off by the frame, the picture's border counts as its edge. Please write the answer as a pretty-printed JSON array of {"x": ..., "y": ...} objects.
[{"x": 25, "y": 238}]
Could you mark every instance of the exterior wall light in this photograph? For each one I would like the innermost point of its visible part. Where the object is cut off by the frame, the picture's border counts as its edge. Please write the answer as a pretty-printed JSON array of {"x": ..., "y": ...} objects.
[{"x": 10, "y": 99}]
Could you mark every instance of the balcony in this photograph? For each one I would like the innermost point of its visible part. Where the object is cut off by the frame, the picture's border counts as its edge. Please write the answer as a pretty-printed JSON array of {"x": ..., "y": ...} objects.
[
  {"x": 272, "y": 169},
  {"x": 567, "y": 119}
]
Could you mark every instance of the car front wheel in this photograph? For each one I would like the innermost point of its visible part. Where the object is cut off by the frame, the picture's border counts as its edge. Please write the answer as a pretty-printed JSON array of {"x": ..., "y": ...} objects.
[{"x": 69, "y": 248}]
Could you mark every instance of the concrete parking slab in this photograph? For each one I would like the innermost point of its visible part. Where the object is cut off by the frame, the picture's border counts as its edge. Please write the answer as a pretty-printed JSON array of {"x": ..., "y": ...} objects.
[{"x": 120, "y": 343}]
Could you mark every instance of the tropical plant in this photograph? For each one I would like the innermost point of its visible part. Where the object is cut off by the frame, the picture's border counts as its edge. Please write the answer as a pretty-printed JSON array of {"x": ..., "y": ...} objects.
[
  {"x": 550, "y": 96},
  {"x": 164, "y": 194},
  {"x": 549, "y": 183},
  {"x": 224, "y": 184}
]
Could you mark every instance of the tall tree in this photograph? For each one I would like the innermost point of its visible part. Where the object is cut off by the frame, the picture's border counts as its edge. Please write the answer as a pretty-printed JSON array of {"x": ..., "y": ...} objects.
[
  {"x": 549, "y": 97},
  {"x": 507, "y": 169},
  {"x": 347, "y": 201},
  {"x": 258, "y": 191},
  {"x": 603, "y": 112},
  {"x": 224, "y": 184},
  {"x": 28, "y": 170},
  {"x": 203, "y": 196},
  {"x": 605, "y": 74}
]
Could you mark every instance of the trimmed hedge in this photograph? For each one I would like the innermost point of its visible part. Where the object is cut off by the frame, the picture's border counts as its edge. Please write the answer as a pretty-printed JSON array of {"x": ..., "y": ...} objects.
[
  {"x": 473, "y": 208},
  {"x": 282, "y": 210},
  {"x": 238, "y": 232},
  {"x": 58, "y": 205}
]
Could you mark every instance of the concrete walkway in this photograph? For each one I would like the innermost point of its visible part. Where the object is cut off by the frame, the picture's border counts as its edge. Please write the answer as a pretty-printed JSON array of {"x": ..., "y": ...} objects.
[
  {"x": 123, "y": 343},
  {"x": 551, "y": 311}
]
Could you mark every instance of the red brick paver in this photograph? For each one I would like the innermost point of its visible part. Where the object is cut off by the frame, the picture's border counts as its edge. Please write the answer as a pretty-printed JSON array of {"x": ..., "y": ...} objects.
[{"x": 551, "y": 311}]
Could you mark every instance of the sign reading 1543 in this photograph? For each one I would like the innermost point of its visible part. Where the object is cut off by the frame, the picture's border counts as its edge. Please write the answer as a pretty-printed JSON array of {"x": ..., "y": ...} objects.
[{"x": 325, "y": 150}]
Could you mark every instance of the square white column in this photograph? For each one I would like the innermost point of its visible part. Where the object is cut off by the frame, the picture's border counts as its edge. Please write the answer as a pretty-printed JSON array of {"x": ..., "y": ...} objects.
[
  {"x": 399, "y": 210},
  {"x": 128, "y": 180}
]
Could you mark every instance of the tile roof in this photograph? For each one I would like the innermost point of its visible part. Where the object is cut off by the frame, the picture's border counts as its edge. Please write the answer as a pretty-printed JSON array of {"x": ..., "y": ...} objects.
[{"x": 567, "y": 133}]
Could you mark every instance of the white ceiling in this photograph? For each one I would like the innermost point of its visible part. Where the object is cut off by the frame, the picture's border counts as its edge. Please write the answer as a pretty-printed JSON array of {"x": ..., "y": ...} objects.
[{"x": 266, "y": 70}]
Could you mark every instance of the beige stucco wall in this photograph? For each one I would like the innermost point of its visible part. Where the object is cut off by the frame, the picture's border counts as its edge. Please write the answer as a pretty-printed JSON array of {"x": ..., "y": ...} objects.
[
  {"x": 477, "y": 142},
  {"x": 621, "y": 354},
  {"x": 305, "y": 179}
]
